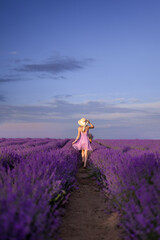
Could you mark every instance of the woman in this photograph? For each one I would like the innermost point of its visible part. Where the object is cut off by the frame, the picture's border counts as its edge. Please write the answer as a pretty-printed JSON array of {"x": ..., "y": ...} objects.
[{"x": 82, "y": 141}]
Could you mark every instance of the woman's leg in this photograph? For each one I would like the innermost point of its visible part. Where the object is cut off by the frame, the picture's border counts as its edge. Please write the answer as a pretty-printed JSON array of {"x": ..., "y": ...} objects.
[{"x": 85, "y": 157}]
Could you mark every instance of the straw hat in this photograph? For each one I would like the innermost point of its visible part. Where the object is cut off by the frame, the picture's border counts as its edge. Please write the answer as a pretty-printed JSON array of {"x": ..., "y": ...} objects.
[{"x": 83, "y": 122}]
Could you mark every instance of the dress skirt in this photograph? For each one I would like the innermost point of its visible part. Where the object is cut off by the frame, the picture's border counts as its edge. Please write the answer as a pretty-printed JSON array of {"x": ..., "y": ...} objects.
[{"x": 83, "y": 142}]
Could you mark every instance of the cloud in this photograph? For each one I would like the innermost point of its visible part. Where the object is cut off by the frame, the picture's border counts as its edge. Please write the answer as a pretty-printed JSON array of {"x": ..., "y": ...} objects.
[
  {"x": 13, "y": 52},
  {"x": 63, "y": 110},
  {"x": 55, "y": 65},
  {"x": 22, "y": 60},
  {"x": 10, "y": 78},
  {"x": 120, "y": 100},
  {"x": 7, "y": 79},
  {"x": 2, "y": 98},
  {"x": 110, "y": 120},
  {"x": 50, "y": 76},
  {"x": 62, "y": 96}
]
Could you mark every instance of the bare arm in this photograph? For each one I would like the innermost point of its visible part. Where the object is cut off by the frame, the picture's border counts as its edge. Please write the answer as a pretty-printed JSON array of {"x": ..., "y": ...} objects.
[
  {"x": 78, "y": 136},
  {"x": 91, "y": 125}
]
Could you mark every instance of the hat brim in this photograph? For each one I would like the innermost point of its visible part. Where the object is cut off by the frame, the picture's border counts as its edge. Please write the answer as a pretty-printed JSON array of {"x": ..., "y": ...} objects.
[{"x": 82, "y": 123}]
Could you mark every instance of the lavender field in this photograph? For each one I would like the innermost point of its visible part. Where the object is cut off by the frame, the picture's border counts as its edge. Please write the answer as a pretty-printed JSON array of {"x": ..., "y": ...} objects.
[
  {"x": 130, "y": 170},
  {"x": 37, "y": 175}
]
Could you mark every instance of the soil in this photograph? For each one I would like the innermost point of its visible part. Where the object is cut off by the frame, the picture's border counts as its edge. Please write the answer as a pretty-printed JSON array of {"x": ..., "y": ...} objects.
[{"x": 88, "y": 215}]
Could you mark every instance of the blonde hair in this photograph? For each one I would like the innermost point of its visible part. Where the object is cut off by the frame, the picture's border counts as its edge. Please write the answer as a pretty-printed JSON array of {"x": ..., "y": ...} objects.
[{"x": 84, "y": 127}]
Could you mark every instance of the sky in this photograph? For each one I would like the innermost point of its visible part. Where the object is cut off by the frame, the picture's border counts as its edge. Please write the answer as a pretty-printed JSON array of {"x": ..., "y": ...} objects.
[{"x": 63, "y": 60}]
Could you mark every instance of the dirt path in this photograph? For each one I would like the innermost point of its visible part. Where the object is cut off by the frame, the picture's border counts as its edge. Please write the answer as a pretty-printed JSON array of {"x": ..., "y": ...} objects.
[{"x": 87, "y": 215}]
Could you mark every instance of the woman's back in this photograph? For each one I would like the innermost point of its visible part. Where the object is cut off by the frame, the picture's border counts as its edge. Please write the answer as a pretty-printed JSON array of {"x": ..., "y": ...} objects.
[{"x": 83, "y": 142}]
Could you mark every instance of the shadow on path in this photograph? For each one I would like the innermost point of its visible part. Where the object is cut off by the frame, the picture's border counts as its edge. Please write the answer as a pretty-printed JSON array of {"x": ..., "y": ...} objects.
[{"x": 87, "y": 215}]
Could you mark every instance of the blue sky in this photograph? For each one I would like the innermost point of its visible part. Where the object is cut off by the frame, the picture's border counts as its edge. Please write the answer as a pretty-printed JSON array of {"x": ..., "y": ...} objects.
[{"x": 63, "y": 60}]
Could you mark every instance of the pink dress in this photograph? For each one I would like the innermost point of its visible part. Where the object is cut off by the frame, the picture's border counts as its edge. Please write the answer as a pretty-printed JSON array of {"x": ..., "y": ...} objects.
[{"x": 83, "y": 142}]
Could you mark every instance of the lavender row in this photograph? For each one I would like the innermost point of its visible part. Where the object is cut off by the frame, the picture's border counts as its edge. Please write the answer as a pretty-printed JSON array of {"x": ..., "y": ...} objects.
[
  {"x": 32, "y": 193},
  {"x": 127, "y": 145},
  {"x": 14, "y": 153},
  {"x": 20, "y": 145},
  {"x": 20, "y": 141},
  {"x": 131, "y": 180}
]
